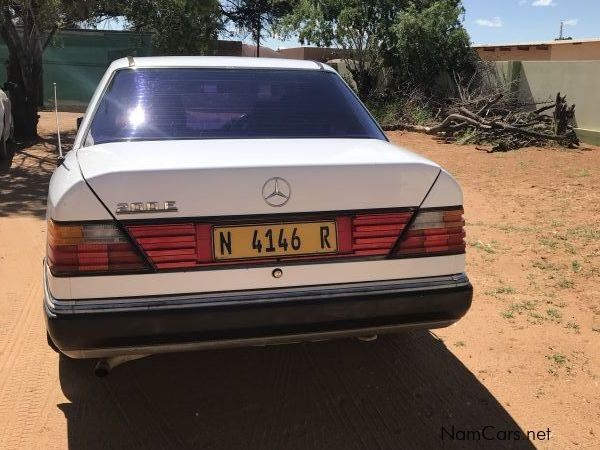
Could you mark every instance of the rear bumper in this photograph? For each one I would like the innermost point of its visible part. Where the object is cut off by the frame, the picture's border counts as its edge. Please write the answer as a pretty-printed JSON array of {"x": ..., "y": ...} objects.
[{"x": 101, "y": 328}]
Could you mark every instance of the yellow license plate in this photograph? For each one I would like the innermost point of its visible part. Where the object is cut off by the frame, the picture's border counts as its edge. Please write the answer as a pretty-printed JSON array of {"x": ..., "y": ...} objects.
[{"x": 276, "y": 239}]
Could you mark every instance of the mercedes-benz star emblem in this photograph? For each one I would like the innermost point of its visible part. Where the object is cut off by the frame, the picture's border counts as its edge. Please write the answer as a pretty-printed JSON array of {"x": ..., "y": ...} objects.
[{"x": 276, "y": 191}]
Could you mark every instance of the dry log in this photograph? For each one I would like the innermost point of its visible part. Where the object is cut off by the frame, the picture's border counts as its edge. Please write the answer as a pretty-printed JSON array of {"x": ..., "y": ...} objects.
[
  {"x": 544, "y": 109},
  {"x": 476, "y": 117},
  {"x": 502, "y": 122},
  {"x": 490, "y": 103},
  {"x": 526, "y": 132},
  {"x": 447, "y": 123}
]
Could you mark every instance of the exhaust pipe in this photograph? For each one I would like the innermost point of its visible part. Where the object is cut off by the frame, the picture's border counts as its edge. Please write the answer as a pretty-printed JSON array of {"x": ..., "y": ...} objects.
[
  {"x": 370, "y": 338},
  {"x": 104, "y": 366}
]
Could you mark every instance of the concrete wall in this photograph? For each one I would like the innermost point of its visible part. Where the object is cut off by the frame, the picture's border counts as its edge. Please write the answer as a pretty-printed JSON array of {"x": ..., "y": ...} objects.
[{"x": 539, "y": 81}]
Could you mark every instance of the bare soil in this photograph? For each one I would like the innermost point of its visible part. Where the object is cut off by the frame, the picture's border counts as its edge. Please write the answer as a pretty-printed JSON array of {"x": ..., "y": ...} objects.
[{"x": 526, "y": 357}]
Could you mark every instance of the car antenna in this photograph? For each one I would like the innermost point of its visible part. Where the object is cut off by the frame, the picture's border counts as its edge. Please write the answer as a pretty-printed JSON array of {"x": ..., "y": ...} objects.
[{"x": 61, "y": 157}]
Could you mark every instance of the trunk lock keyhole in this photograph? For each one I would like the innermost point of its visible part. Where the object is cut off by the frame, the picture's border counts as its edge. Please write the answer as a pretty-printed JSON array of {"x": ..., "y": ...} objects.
[{"x": 277, "y": 273}]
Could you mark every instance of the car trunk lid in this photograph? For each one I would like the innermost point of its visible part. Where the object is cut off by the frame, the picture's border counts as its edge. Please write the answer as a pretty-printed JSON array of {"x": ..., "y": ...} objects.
[{"x": 207, "y": 178}]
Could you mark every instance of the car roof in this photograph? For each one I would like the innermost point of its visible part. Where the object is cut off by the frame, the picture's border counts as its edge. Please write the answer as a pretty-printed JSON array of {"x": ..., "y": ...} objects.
[{"x": 234, "y": 62}]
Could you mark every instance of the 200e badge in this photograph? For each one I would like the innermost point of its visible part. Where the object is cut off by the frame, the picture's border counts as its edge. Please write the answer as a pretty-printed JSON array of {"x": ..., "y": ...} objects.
[{"x": 146, "y": 207}]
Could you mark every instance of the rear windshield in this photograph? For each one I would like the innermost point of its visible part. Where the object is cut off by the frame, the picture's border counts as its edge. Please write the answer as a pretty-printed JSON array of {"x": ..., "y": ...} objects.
[{"x": 190, "y": 103}]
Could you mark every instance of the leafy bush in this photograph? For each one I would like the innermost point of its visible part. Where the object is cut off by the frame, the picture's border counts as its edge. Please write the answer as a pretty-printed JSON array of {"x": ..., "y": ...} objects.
[{"x": 426, "y": 43}]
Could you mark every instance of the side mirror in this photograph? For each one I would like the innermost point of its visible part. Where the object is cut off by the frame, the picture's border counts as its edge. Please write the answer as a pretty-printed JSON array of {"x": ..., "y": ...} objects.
[{"x": 79, "y": 120}]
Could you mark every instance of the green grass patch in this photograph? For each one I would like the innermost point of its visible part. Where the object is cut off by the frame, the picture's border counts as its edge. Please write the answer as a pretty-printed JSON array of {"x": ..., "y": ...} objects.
[
  {"x": 549, "y": 242},
  {"x": 585, "y": 233},
  {"x": 507, "y": 228},
  {"x": 565, "y": 283},
  {"x": 554, "y": 313},
  {"x": 573, "y": 326},
  {"x": 501, "y": 290},
  {"x": 536, "y": 318},
  {"x": 558, "y": 361},
  {"x": 581, "y": 173},
  {"x": 506, "y": 290},
  {"x": 558, "y": 358},
  {"x": 543, "y": 264},
  {"x": 487, "y": 248},
  {"x": 519, "y": 308}
]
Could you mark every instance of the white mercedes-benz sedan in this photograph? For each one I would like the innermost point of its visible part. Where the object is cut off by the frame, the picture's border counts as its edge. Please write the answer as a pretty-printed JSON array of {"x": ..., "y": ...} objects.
[{"x": 213, "y": 201}]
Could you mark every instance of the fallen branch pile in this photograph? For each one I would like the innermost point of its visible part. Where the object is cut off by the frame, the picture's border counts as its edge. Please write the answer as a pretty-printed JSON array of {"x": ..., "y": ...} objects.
[{"x": 503, "y": 124}]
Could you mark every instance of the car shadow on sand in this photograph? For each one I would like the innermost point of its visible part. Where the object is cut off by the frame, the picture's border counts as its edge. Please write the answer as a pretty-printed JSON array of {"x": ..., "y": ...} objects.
[
  {"x": 25, "y": 175},
  {"x": 397, "y": 392}
]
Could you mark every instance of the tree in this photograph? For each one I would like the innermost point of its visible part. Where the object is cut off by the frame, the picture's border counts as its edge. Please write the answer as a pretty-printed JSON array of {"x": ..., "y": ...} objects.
[
  {"x": 178, "y": 27},
  {"x": 376, "y": 36},
  {"x": 356, "y": 26},
  {"x": 427, "y": 42},
  {"x": 256, "y": 16},
  {"x": 27, "y": 27}
]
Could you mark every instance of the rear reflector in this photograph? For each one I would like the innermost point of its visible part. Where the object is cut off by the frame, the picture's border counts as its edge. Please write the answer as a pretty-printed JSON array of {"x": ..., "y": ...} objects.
[
  {"x": 439, "y": 231},
  {"x": 95, "y": 247}
]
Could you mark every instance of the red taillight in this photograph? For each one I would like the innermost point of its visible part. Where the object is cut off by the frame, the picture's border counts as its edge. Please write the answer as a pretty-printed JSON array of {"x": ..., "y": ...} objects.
[
  {"x": 376, "y": 234},
  {"x": 168, "y": 246},
  {"x": 434, "y": 232},
  {"x": 175, "y": 246},
  {"x": 95, "y": 247}
]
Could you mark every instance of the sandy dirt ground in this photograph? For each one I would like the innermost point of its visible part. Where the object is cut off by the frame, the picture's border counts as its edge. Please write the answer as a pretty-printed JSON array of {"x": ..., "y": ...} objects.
[{"x": 526, "y": 357}]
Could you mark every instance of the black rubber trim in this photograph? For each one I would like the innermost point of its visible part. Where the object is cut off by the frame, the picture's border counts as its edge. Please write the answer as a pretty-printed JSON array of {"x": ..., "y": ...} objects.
[{"x": 275, "y": 317}]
